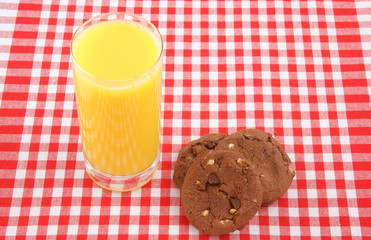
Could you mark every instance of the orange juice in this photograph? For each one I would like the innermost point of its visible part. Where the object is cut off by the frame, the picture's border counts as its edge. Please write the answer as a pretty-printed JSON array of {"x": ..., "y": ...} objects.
[{"x": 117, "y": 74}]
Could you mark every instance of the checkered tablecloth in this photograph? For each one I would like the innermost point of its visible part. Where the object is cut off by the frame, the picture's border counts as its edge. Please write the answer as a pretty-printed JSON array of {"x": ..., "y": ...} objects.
[{"x": 299, "y": 69}]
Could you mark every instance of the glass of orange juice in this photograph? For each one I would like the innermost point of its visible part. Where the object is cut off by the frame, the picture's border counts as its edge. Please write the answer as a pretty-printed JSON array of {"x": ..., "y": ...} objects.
[{"x": 117, "y": 63}]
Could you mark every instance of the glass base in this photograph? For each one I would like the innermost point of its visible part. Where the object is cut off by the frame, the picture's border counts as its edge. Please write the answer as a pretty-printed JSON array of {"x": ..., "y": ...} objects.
[{"x": 122, "y": 183}]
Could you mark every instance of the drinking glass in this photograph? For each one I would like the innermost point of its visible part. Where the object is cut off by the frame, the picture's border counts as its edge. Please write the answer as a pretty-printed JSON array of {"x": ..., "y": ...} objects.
[{"x": 119, "y": 118}]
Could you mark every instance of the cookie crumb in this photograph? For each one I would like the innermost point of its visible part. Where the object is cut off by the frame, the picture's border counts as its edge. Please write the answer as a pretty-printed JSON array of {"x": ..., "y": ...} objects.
[
  {"x": 231, "y": 145},
  {"x": 254, "y": 200},
  {"x": 232, "y": 210},
  {"x": 205, "y": 213},
  {"x": 198, "y": 182},
  {"x": 240, "y": 160},
  {"x": 261, "y": 175},
  {"x": 211, "y": 162},
  {"x": 225, "y": 221}
]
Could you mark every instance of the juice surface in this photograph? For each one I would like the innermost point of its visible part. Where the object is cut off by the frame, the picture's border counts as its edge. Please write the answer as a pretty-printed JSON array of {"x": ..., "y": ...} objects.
[
  {"x": 116, "y": 50},
  {"x": 119, "y": 119}
]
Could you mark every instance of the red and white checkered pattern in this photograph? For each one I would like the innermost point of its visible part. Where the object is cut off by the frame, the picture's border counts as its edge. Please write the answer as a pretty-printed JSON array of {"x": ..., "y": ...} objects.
[{"x": 299, "y": 69}]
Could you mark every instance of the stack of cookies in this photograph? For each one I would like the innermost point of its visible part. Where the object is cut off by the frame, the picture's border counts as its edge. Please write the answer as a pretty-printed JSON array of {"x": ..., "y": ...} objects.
[{"x": 224, "y": 179}]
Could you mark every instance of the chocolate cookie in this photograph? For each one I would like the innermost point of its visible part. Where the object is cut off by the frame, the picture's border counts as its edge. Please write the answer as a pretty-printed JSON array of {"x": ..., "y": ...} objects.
[
  {"x": 267, "y": 156},
  {"x": 190, "y": 151},
  {"x": 221, "y": 192}
]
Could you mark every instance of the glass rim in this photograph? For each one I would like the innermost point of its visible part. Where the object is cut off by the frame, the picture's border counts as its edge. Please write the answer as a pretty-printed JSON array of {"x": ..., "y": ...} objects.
[{"x": 117, "y": 13}]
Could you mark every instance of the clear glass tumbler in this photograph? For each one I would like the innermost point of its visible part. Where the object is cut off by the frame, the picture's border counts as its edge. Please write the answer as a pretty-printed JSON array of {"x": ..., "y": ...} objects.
[{"x": 117, "y": 67}]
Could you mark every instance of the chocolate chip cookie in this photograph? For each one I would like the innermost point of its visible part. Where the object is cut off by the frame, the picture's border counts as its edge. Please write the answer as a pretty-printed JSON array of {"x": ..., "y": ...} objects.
[
  {"x": 221, "y": 192},
  {"x": 268, "y": 158},
  {"x": 190, "y": 151}
]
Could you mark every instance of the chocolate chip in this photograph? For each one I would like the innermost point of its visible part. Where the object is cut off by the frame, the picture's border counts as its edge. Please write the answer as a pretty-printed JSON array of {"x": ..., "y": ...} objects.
[
  {"x": 218, "y": 140},
  {"x": 252, "y": 138},
  {"x": 248, "y": 137},
  {"x": 210, "y": 145},
  {"x": 268, "y": 153},
  {"x": 213, "y": 179},
  {"x": 236, "y": 204},
  {"x": 196, "y": 149}
]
